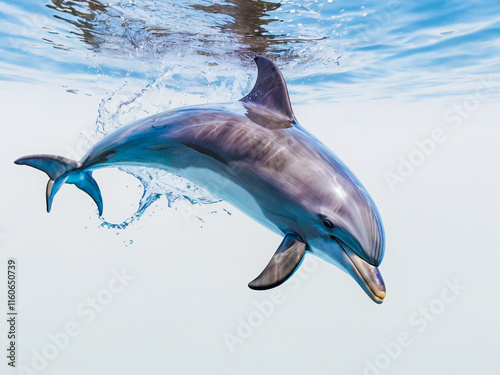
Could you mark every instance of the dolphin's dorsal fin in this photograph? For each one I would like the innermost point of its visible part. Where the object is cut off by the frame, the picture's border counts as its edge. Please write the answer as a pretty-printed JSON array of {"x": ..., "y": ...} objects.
[
  {"x": 270, "y": 89},
  {"x": 282, "y": 265}
]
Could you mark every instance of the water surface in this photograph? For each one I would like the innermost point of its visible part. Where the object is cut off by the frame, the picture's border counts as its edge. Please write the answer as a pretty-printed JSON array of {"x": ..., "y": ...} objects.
[{"x": 329, "y": 50}]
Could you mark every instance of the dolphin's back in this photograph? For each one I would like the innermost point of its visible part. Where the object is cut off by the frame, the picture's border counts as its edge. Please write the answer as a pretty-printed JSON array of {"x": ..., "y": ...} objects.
[{"x": 231, "y": 139}]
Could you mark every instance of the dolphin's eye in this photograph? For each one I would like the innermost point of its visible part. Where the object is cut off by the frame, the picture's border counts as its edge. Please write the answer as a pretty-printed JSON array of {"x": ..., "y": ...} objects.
[{"x": 328, "y": 224}]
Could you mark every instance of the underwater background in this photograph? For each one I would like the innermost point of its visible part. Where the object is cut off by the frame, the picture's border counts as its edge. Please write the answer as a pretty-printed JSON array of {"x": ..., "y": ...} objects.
[{"x": 407, "y": 94}]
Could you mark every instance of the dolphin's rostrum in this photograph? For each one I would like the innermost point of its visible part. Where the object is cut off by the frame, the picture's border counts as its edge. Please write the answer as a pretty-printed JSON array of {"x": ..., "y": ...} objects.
[{"x": 255, "y": 155}]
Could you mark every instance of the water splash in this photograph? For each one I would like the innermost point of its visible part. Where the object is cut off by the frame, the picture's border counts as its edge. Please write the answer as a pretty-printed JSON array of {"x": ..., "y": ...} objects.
[{"x": 130, "y": 103}]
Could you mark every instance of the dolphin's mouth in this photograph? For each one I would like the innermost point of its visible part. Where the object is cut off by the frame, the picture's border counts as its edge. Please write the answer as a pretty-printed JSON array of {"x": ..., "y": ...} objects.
[{"x": 367, "y": 275}]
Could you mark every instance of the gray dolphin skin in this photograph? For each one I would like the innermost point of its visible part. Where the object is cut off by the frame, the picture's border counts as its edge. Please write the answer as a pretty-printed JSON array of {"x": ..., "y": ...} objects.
[{"x": 253, "y": 154}]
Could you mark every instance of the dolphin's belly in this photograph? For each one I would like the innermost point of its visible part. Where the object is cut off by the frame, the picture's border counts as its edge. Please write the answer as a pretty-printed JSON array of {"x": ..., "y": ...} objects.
[{"x": 232, "y": 192}]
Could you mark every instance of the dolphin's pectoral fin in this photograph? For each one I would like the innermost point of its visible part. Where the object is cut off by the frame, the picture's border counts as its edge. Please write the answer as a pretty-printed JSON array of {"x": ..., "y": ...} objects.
[{"x": 282, "y": 265}]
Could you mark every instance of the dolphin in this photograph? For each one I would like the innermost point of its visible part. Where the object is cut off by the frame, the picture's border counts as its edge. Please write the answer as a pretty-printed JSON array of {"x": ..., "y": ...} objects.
[{"x": 255, "y": 155}]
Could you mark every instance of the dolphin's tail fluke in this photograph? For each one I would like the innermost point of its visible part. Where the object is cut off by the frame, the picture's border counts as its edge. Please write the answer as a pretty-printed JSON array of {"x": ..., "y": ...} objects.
[{"x": 63, "y": 170}]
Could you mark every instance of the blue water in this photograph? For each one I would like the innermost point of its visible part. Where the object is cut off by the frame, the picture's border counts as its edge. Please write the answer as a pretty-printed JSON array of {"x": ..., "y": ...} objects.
[
  {"x": 142, "y": 57},
  {"x": 329, "y": 50}
]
